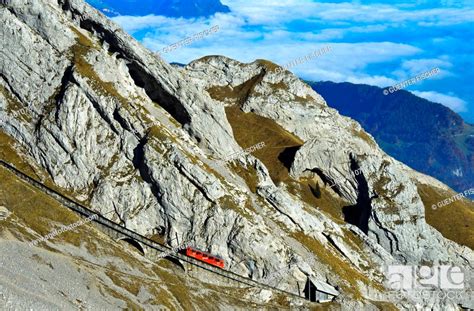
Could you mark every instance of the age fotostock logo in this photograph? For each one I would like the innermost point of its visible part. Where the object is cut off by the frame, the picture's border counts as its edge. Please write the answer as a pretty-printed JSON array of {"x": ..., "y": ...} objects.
[{"x": 424, "y": 277}]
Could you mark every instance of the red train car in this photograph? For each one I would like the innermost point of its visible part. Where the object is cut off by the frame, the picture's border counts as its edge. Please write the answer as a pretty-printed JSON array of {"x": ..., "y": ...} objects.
[{"x": 207, "y": 258}]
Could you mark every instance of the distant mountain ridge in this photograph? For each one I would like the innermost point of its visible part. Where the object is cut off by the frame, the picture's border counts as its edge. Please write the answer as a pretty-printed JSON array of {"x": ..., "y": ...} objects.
[
  {"x": 172, "y": 8},
  {"x": 427, "y": 136}
]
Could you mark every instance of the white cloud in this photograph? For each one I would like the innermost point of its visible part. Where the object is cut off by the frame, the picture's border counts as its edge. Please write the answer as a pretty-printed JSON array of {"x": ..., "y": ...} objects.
[
  {"x": 413, "y": 67},
  {"x": 380, "y": 81},
  {"x": 455, "y": 103},
  {"x": 339, "y": 33},
  {"x": 280, "y": 46},
  {"x": 416, "y": 66},
  {"x": 279, "y": 13},
  {"x": 265, "y": 12},
  {"x": 345, "y": 62},
  {"x": 132, "y": 24}
]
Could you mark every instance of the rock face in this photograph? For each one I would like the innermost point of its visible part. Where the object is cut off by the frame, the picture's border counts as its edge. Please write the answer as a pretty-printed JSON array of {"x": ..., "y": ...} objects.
[
  {"x": 427, "y": 136},
  {"x": 338, "y": 151},
  {"x": 144, "y": 143}
]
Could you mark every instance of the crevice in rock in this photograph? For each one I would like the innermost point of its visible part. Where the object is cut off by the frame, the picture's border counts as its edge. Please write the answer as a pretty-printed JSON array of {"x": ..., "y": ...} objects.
[
  {"x": 120, "y": 120},
  {"x": 65, "y": 6},
  {"x": 11, "y": 89},
  {"x": 138, "y": 156},
  {"x": 359, "y": 213},
  {"x": 101, "y": 113},
  {"x": 139, "y": 164},
  {"x": 137, "y": 72},
  {"x": 198, "y": 186},
  {"x": 394, "y": 243},
  {"x": 157, "y": 93},
  {"x": 275, "y": 205},
  {"x": 58, "y": 141},
  {"x": 104, "y": 34},
  {"x": 45, "y": 164},
  {"x": 66, "y": 78},
  {"x": 327, "y": 180},
  {"x": 331, "y": 241},
  {"x": 315, "y": 190},
  {"x": 122, "y": 222}
]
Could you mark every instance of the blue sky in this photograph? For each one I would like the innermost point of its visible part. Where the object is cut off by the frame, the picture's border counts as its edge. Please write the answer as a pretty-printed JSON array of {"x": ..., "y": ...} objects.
[{"x": 373, "y": 42}]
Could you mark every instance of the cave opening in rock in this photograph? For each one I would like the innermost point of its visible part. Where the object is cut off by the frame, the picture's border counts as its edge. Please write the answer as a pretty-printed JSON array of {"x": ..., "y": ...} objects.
[
  {"x": 359, "y": 213},
  {"x": 287, "y": 156}
]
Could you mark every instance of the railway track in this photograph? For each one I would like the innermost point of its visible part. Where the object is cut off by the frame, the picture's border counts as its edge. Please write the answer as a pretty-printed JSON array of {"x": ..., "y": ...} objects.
[{"x": 109, "y": 225}]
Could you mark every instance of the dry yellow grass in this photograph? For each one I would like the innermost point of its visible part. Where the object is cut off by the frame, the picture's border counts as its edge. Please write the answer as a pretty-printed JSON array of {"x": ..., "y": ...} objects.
[
  {"x": 385, "y": 306},
  {"x": 328, "y": 203},
  {"x": 237, "y": 94},
  {"x": 250, "y": 129},
  {"x": 170, "y": 286},
  {"x": 455, "y": 220},
  {"x": 349, "y": 275},
  {"x": 15, "y": 107},
  {"x": 9, "y": 153},
  {"x": 78, "y": 54},
  {"x": 248, "y": 174}
]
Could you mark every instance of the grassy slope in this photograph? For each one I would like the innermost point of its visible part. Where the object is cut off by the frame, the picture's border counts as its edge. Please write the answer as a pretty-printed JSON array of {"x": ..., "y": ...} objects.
[
  {"x": 454, "y": 220},
  {"x": 250, "y": 129},
  {"x": 34, "y": 214},
  {"x": 9, "y": 154}
]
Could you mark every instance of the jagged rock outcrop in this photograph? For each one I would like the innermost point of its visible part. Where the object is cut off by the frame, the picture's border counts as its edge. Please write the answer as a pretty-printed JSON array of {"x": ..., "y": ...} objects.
[
  {"x": 144, "y": 143},
  {"x": 334, "y": 148}
]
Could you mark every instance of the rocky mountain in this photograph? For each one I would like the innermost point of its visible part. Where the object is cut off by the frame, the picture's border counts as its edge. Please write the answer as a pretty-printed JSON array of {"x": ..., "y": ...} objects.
[
  {"x": 429, "y": 137},
  {"x": 84, "y": 269},
  {"x": 160, "y": 150},
  {"x": 172, "y": 8}
]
